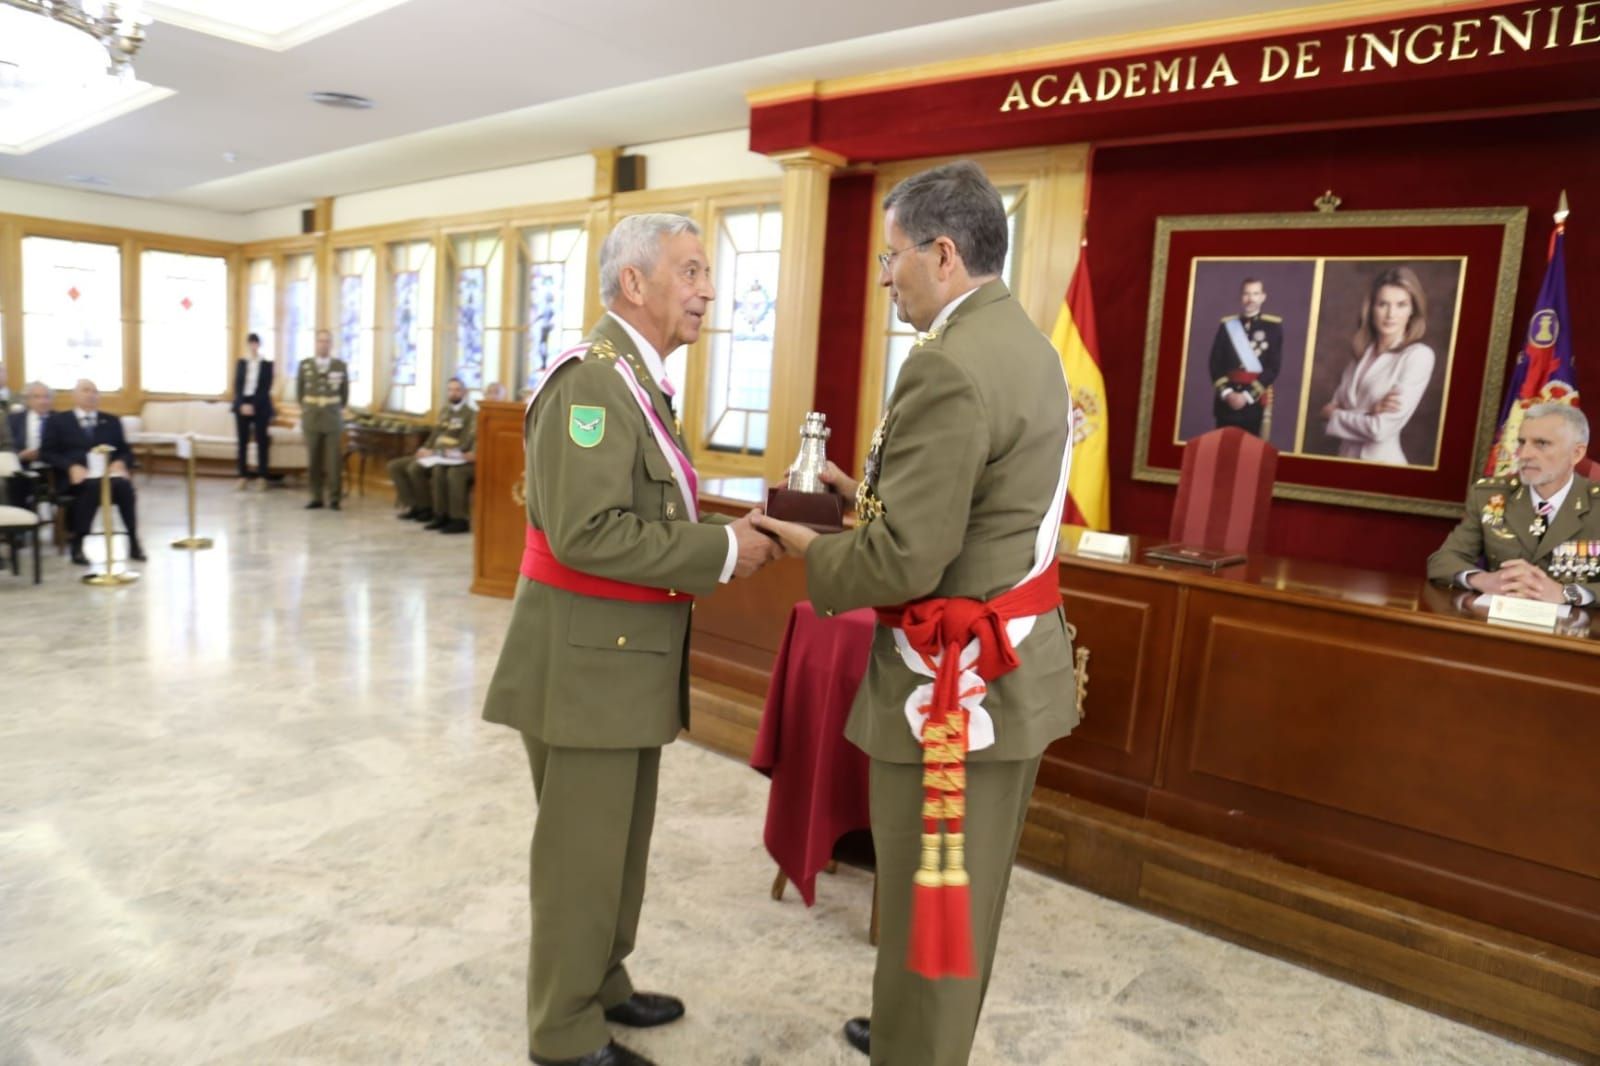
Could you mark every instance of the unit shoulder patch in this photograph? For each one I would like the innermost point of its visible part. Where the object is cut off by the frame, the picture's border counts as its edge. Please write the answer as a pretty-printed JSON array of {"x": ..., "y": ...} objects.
[{"x": 586, "y": 425}]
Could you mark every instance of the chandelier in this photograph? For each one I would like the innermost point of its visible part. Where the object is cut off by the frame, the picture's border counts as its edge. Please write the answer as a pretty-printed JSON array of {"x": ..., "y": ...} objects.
[{"x": 117, "y": 25}]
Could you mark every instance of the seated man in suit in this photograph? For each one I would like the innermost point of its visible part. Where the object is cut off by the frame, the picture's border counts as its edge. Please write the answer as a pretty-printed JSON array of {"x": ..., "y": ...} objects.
[
  {"x": 1536, "y": 535},
  {"x": 68, "y": 437},
  {"x": 27, "y": 436}
]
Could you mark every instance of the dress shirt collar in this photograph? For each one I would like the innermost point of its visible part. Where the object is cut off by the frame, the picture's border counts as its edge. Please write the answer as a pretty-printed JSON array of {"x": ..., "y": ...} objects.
[
  {"x": 949, "y": 309},
  {"x": 1556, "y": 498}
]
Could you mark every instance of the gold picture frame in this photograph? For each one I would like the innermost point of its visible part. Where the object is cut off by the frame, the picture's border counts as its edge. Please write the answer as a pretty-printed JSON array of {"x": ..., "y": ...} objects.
[{"x": 1489, "y": 243}]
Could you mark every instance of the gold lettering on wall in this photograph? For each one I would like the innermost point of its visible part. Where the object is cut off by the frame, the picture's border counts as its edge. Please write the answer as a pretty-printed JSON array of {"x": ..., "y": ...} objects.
[
  {"x": 1039, "y": 100},
  {"x": 1305, "y": 55},
  {"x": 1459, "y": 38},
  {"x": 1274, "y": 63},
  {"x": 1504, "y": 27},
  {"x": 1586, "y": 19},
  {"x": 1221, "y": 70},
  {"x": 1421, "y": 60},
  {"x": 1380, "y": 49}
]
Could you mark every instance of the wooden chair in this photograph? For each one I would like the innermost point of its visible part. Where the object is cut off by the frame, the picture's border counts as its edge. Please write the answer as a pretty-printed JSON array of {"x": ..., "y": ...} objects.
[{"x": 1225, "y": 491}]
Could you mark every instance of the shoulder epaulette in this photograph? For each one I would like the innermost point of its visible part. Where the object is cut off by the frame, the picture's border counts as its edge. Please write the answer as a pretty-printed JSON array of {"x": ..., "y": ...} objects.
[
  {"x": 1229, "y": 318},
  {"x": 603, "y": 349},
  {"x": 1272, "y": 318}
]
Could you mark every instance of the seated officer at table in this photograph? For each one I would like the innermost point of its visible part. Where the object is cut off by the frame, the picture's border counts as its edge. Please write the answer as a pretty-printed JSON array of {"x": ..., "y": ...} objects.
[
  {"x": 1536, "y": 535},
  {"x": 438, "y": 494}
]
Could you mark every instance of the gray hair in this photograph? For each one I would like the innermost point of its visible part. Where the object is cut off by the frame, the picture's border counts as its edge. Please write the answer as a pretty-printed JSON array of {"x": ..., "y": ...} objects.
[
  {"x": 636, "y": 242},
  {"x": 1575, "y": 419},
  {"x": 30, "y": 386},
  {"x": 957, "y": 201}
]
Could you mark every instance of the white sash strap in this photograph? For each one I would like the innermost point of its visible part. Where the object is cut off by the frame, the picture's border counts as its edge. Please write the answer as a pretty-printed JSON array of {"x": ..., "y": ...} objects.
[
  {"x": 682, "y": 470},
  {"x": 1241, "y": 346}
]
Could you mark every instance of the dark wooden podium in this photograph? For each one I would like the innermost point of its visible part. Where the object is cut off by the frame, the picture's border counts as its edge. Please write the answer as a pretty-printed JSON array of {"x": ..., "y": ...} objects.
[{"x": 497, "y": 512}]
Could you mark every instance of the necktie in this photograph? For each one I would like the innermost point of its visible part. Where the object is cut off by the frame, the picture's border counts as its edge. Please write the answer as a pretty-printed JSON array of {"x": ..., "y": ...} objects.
[{"x": 1545, "y": 509}]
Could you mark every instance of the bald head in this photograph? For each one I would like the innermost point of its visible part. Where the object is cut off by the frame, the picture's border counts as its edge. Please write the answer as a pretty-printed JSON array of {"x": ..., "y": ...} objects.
[{"x": 85, "y": 395}]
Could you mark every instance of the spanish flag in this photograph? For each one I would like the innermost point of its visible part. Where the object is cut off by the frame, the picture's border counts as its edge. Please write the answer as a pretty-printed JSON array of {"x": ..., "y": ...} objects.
[{"x": 1089, "y": 484}]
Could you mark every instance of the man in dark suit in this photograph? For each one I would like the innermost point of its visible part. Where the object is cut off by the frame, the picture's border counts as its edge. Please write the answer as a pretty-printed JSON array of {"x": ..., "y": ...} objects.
[
  {"x": 252, "y": 410},
  {"x": 1246, "y": 355},
  {"x": 27, "y": 436},
  {"x": 68, "y": 438}
]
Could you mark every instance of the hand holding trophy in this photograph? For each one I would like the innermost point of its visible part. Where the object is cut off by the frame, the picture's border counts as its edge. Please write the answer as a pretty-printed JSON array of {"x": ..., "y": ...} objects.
[{"x": 806, "y": 499}]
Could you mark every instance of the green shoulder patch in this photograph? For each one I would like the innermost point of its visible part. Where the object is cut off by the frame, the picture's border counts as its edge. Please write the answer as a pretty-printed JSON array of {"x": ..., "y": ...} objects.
[{"x": 586, "y": 425}]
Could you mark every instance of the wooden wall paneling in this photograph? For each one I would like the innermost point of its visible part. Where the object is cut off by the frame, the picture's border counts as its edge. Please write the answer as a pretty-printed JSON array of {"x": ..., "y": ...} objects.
[
  {"x": 498, "y": 520},
  {"x": 1454, "y": 769},
  {"x": 1127, "y": 625}
]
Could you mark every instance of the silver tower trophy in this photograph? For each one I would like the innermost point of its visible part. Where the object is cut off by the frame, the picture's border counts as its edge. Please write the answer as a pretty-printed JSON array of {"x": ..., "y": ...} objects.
[{"x": 806, "y": 499}]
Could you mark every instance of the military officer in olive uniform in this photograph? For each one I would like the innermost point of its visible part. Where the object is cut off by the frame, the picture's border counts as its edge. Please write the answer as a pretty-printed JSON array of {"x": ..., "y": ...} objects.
[
  {"x": 1536, "y": 535},
  {"x": 1245, "y": 359},
  {"x": 437, "y": 495},
  {"x": 322, "y": 387},
  {"x": 961, "y": 496},
  {"x": 594, "y": 671}
]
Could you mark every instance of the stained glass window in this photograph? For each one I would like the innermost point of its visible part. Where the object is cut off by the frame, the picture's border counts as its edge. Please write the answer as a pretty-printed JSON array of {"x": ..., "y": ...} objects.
[
  {"x": 299, "y": 315},
  {"x": 358, "y": 319},
  {"x": 473, "y": 350},
  {"x": 743, "y": 317},
  {"x": 555, "y": 268},
  {"x": 72, "y": 312},
  {"x": 261, "y": 314},
  {"x": 902, "y": 336},
  {"x": 411, "y": 328}
]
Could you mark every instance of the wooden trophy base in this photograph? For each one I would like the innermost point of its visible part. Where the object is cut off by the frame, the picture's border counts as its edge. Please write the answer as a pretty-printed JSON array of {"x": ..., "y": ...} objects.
[{"x": 819, "y": 511}]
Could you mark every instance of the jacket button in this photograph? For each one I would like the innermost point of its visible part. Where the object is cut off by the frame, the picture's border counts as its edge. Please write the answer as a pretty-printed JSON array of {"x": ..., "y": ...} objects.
[
  {"x": 672, "y": 510},
  {"x": 622, "y": 642}
]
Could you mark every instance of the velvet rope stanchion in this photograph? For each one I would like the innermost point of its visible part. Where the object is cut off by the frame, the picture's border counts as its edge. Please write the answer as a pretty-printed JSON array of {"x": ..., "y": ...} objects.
[
  {"x": 191, "y": 542},
  {"x": 108, "y": 577}
]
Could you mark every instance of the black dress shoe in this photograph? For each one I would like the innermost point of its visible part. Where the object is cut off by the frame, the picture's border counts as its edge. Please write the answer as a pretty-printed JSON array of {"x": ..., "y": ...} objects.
[
  {"x": 438, "y": 522},
  {"x": 136, "y": 553},
  {"x": 858, "y": 1034},
  {"x": 407, "y": 515},
  {"x": 77, "y": 552},
  {"x": 334, "y": 506},
  {"x": 645, "y": 1010},
  {"x": 613, "y": 1054},
  {"x": 314, "y": 505},
  {"x": 455, "y": 525},
  {"x": 422, "y": 514}
]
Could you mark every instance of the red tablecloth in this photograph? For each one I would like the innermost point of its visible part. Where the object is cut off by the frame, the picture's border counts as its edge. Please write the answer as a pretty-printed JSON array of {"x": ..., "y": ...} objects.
[{"x": 819, "y": 779}]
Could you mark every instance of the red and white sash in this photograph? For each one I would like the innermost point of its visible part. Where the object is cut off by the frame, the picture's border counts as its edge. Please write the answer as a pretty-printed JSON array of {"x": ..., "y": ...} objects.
[
  {"x": 972, "y": 687},
  {"x": 682, "y": 469}
]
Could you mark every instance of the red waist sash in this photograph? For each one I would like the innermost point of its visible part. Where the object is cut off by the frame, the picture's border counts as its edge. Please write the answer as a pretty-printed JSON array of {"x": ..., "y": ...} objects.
[
  {"x": 540, "y": 564},
  {"x": 940, "y": 943}
]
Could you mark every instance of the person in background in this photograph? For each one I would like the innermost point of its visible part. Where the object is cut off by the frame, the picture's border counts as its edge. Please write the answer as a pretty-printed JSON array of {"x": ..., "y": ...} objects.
[
  {"x": 252, "y": 410},
  {"x": 68, "y": 438},
  {"x": 323, "y": 388},
  {"x": 1382, "y": 385}
]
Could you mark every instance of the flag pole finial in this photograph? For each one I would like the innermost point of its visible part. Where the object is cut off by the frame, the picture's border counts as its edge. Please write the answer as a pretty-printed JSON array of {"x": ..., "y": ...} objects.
[{"x": 1561, "y": 208}]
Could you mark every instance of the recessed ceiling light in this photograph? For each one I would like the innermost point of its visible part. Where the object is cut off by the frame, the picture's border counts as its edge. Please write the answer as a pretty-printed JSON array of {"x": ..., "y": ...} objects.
[
  {"x": 350, "y": 100},
  {"x": 87, "y": 179},
  {"x": 230, "y": 157}
]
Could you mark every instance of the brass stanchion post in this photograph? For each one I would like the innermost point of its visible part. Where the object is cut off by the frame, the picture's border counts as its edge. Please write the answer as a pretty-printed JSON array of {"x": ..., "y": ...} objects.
[
  {"x": 109, "y": 576},
  {"x": 191, "y": 542}
]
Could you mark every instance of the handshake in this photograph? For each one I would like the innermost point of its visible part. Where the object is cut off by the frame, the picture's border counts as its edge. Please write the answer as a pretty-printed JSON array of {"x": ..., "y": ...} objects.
[{"x": 763, "y": 539}]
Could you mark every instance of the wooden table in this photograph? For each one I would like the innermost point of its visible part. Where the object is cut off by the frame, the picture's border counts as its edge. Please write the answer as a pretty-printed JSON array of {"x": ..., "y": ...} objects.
[{"x": 379, "y": 442}]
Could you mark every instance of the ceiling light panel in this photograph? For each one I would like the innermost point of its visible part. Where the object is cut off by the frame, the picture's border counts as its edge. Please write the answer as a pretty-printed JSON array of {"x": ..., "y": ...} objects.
[{"x": 277, "y": 25}]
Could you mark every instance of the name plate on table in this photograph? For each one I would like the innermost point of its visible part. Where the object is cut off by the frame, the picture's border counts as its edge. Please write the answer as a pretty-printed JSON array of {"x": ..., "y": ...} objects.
[
  {"x": 1529, "y": 614},
  {"x": 1113, "y": 546},
  {"x": 185, "y": 445}
]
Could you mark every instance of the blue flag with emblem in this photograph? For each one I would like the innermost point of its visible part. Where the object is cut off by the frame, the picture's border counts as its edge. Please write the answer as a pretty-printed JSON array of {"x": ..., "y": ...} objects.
[{"x": 1544, "y": 372}]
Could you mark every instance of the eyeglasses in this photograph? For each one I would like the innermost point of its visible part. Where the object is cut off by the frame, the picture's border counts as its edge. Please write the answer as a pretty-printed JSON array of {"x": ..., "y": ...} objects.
[{"x": 887, "y": 258}]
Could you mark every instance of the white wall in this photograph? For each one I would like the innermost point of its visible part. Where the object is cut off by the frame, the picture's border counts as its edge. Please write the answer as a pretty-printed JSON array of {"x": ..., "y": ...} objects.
[
  {"x": 712, "y": 157},
  {"x": 702, "y": 160},
  {"x": 571, "y": 178},
  {"x": 101, "y": 209}
]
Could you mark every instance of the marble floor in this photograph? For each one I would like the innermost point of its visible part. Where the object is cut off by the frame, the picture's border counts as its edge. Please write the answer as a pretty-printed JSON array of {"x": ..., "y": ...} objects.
[{"x": 249, "y": 816}]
